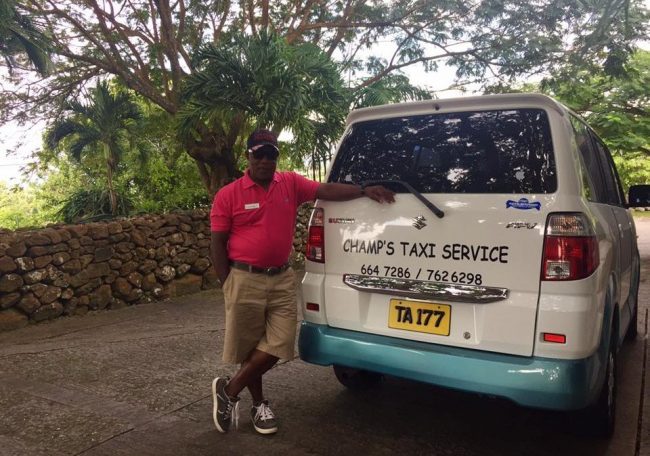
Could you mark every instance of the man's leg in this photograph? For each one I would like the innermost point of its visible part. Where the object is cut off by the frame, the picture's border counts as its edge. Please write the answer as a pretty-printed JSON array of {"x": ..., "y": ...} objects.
[
  {"x": 250, "y": 374},
  {"x": 255, "y": 388},
  {"x": 245, "y": 305}
]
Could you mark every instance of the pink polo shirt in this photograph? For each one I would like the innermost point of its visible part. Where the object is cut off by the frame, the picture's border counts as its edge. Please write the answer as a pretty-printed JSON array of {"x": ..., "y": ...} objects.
[{"x": 261, "y": 223}]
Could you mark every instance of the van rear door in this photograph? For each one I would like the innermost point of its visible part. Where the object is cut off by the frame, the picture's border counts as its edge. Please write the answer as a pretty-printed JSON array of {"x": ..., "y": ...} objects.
[{"x": 469, "y": 278}]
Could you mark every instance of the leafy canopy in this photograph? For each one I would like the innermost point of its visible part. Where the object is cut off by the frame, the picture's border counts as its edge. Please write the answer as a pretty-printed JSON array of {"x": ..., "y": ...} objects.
[
  {"x": 150, "y": 46},
  {"x": 21, "y": 41},
  {"x": 617, "y": 106},
  {"x": 266, "y": 83}
]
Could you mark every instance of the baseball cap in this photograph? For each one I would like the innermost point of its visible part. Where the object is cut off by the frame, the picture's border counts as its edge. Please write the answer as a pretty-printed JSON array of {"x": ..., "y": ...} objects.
[{"x": 262, "y": 137}]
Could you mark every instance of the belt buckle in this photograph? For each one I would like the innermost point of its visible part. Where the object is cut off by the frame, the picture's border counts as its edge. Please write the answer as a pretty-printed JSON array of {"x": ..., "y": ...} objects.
[{"x": 270, "y": 271}]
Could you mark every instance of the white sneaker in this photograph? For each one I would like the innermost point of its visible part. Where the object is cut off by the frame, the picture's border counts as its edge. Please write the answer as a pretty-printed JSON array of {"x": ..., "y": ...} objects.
[
  {"x": 263, "y": 419},
  {"x": 225, "y": 411}
]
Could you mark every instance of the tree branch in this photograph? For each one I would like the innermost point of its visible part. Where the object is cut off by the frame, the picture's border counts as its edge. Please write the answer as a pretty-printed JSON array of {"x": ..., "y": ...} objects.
[
  {"x": 292, "y": 35},
  {"x": 222, "y": 22},
  {"x": 340, "y": 33},
  {"x": 391, "y": 68},
  {"x": 251, "y": 15},
  {"x": 265, "y": 14}
]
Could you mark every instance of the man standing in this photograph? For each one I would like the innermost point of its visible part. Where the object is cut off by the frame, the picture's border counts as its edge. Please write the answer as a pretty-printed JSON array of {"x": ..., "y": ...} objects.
[{"x": 252, "y": 223}]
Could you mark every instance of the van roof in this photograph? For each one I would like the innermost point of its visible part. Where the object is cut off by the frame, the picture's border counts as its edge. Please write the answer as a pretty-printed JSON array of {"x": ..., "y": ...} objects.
[{"x": 483, "y": 102}]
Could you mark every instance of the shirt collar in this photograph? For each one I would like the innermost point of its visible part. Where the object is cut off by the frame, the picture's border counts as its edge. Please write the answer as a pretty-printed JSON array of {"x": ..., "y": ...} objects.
[{"x": 248, "y": 182}]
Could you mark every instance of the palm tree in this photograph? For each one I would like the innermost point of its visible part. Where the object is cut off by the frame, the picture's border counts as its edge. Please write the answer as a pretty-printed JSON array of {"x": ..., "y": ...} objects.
[
  {"x": 393, "y": 88},
  {"x": 261, "y": 81},
  {"x": 99, "y": 127},
  {"x": 19, "y": 36}
]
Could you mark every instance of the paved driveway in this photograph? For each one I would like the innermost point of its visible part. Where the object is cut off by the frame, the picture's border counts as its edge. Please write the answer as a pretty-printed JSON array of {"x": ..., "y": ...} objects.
[{"x": 136, "y": 382}]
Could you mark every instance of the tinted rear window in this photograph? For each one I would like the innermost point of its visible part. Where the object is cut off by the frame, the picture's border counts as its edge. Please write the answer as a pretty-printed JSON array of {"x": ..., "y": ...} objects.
[{"x": 508, "y": 151}]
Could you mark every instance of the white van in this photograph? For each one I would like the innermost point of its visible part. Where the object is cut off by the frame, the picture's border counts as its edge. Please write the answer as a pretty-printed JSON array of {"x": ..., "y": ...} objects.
[{"x": 507, "y": 266}]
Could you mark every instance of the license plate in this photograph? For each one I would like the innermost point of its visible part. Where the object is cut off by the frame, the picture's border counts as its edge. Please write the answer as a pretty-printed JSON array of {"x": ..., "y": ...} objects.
[{"x": 420, "y": 316}]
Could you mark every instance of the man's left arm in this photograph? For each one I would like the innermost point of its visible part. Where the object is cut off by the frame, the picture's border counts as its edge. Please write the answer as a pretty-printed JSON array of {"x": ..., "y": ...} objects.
[{"x": 344, "y": 192}]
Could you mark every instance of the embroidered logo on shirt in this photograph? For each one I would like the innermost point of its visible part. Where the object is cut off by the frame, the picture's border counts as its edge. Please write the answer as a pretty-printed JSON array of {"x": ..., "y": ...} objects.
[{"x": 252, "y": 206}]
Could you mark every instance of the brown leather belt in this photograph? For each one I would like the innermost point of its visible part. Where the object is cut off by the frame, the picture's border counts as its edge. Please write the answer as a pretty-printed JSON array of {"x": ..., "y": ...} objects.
[{"x": 250, "y": 268}]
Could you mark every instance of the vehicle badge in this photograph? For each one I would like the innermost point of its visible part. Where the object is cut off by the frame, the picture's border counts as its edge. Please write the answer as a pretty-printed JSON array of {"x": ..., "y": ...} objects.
[
  {"x": 524, "y": 204},
  {"x": 519, "y": 225},
  {"x": 341, "y": 220},
  {"x": 419, "y": 222}
]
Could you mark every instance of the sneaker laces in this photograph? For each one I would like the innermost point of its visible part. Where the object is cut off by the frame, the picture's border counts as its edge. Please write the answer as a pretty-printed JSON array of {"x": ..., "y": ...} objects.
[
  {"x": 234, "y": 417},
  {"x": 232, "y": 409},
  {"x": 263, "y": 412}
]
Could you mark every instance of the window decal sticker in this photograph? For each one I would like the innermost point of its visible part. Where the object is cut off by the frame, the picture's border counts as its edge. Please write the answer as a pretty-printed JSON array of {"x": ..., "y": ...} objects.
[
  {"x": 341, "y": 220},
  {"x": 524, "y": 204}
]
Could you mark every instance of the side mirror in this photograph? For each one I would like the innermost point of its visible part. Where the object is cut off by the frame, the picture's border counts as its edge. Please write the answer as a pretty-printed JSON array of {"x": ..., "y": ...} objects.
[{"x": 639, "y": 196}]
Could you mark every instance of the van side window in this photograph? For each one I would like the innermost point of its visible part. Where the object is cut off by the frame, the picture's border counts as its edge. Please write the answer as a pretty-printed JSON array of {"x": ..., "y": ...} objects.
[
  {"x": 612, "y": 183},
  {"x": 590, "y": 160}
]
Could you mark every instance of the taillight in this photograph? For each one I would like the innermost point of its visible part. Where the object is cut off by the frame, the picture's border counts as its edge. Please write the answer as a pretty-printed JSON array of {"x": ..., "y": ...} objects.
[
  {"x": 570, "y": 248},
  {"x": 316, "y": 237}
]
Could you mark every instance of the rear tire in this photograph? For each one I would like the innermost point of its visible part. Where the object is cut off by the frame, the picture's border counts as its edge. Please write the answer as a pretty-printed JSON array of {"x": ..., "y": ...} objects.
[
  {"x": 601, "y": 416},
  {"x": 357, "y": 379}
]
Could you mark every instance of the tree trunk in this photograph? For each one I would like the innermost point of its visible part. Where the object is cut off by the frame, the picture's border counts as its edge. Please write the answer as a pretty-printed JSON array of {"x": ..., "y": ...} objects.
[
  {"x": 111, "y": 164},
  {"x": 111, "y": 192},
  {"x": 216, "y": 175},
  {"x": 215, "y": 159}
]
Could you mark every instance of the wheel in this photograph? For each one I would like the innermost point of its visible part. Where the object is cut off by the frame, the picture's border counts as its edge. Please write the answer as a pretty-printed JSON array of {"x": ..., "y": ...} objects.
[
  {"x": 357, "y": 379},
  {"x": 602, "y": 414}
]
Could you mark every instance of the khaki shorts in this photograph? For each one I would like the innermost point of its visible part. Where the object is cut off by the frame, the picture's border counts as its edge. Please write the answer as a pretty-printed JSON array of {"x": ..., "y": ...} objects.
[{"x": 260, "y": 313}]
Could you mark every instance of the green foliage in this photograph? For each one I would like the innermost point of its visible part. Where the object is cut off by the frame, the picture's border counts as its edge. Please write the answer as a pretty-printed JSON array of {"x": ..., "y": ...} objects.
[
  {"x": 21, "y": 40},
  {"x": 616, "y": 106},
  {"x": 633, "y": 168},
  {"x": 101, "y": 127},
  {"x": 150, "y": 47},
  {"x": 89, "y": 204},
  {"x": 269, "y": 84},
  {"x": 157, "y": 174},
  {"x": 153, "y": 173},
  {"x": 158, "y": 187},
  {"x": 21, "y": 207},
  {"x": 164, "y": 181},
  {"x": 393, "y": 88},
  {"x": 262, "y": 81}
]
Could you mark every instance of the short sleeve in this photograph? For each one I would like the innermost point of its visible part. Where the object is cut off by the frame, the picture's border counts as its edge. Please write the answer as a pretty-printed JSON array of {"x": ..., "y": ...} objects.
[
  {"x": 221, "y": 212},
  {"x": 305, "y": 188}
]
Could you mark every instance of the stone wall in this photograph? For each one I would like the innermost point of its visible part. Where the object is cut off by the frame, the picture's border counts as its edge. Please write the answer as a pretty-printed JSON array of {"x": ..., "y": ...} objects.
[{"x": 73, "y": 269}]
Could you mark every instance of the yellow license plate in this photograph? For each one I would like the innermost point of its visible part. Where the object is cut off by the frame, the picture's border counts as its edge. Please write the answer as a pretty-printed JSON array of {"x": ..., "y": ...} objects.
[{"x": 420, "y": 316}]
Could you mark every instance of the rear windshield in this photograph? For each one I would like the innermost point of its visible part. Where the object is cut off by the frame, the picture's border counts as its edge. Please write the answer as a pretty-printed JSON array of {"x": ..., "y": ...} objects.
[{"x": 508, "y": 151}]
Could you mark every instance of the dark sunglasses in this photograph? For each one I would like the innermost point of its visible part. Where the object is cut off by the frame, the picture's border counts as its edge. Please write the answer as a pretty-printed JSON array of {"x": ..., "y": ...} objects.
[{"x": 268, "y": 151}]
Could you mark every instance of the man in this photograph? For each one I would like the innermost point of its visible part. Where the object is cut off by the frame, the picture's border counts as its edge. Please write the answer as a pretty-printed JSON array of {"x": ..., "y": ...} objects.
[{"x": 252, "y": 223}]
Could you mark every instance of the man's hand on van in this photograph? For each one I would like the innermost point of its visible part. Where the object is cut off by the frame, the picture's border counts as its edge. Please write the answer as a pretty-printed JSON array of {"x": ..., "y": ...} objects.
[
  {"x": 379, "y": 193},
  {"x": 334, "y": 191}
]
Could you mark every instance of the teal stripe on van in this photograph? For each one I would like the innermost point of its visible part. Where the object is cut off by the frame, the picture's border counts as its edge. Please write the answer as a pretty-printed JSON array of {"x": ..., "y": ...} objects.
[{"x": 530, "y": 381}]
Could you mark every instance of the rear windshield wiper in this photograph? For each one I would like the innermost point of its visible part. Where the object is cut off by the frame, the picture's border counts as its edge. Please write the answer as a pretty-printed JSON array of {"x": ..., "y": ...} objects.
[{"x": 432, "y": 207}]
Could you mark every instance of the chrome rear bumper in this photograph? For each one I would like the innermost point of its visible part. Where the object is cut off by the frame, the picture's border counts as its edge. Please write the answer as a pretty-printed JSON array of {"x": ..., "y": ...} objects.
[{"x": 421, "y": 289}]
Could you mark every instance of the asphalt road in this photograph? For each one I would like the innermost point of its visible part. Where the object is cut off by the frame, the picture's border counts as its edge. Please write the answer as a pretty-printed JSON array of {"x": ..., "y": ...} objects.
[{"x": 136, "y": 381}]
